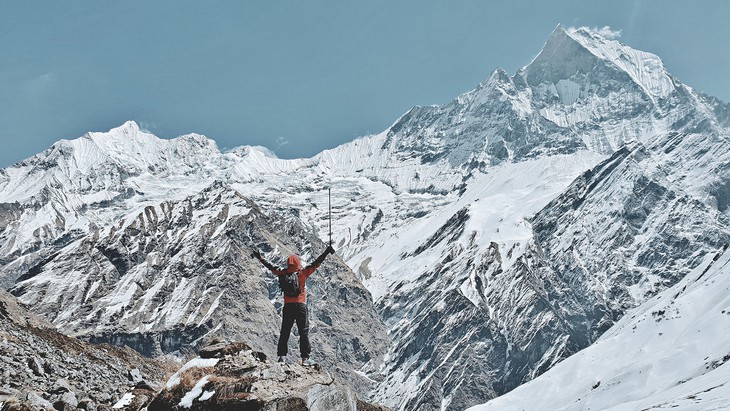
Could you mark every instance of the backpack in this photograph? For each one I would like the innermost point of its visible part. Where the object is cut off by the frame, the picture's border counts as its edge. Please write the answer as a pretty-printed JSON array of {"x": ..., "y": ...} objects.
[{"x": 289, "y": 284}]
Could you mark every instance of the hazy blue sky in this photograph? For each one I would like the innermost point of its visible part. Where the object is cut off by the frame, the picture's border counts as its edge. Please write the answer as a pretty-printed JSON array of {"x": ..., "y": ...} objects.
[{"x": 298, "y": 76}]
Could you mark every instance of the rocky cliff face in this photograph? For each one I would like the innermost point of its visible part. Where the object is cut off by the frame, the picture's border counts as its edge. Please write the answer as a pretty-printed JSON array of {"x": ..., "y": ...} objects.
[{"x": 628, "y": 229}]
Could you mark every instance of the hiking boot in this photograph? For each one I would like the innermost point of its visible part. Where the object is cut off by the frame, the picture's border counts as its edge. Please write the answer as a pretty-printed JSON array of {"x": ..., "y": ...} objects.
[
  {"x": 307, "y": 362},
  {"x": 281, "y": 359}
]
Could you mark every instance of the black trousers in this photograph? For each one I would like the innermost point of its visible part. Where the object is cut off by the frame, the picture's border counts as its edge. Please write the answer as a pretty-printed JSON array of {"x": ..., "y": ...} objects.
[{"x": 295, "y": 312}]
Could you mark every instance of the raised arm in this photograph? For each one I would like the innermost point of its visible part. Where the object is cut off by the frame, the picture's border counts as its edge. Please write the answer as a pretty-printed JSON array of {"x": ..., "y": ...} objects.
[
  {"x": 310, "y": 268},
  {"x": 266, "y": 264}
]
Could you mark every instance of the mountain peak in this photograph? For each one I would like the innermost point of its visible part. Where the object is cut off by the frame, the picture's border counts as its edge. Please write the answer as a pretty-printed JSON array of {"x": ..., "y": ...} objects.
[
  {"x": 561, "y": 58},
  {"x": 129, "y": 125},
  {"x": 129, "y": 131},
  {"x": 572, "y": 51},
  {"x": 645, "y": 68}
]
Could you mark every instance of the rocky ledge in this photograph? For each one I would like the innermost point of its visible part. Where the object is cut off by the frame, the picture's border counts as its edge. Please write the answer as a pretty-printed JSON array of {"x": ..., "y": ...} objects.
[
  {"x": 41, "y": 369},
  {"x": 232, "y": 376}
]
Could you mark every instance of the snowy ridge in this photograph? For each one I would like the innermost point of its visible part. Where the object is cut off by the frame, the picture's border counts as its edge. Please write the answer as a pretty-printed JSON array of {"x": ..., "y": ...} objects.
[{"x": 646, "y": 69}]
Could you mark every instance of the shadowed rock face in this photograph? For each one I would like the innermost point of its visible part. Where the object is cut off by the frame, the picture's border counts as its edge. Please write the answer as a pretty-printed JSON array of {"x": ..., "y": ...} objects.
[{"x": 234, "y": 377}]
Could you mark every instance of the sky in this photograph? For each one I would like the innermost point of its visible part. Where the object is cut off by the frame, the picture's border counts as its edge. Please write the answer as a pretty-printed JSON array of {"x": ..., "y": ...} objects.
[{"x": 299, "y": 77}]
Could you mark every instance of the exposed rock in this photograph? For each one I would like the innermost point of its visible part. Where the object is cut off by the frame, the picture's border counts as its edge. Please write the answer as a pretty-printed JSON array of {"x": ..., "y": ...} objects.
[
  {"x": 87, "y": 404},
  {"x": 12, "y": 404},
  {"x": 35, "y": 400},
  {"x": 66, "y": 402},
  {"x": 6, "y": 392},
  {"x": 241, "y": 379},
  {"x": 60, "y": 386},
  {"x": 221, "y": 349},
  {"x": 36, "y": 365},
  {"x": 366, "y": 406},
  {"x": 134, "y": 376},
  {"x": 136, "y": 399},
  {"x": 45, "y": 370}
]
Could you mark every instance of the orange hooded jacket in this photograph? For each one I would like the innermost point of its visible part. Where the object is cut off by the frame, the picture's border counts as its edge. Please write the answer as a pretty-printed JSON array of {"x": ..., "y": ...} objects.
[{"x": 295, "y": 264}]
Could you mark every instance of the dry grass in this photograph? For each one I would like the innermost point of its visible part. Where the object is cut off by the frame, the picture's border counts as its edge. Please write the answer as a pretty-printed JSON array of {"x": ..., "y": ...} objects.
[
  {"x": 188, "y": 379},
  {"x": 229, "y": 389}
]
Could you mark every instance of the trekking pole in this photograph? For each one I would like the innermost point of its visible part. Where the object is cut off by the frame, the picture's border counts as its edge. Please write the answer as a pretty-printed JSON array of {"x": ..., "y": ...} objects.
[{"x": 329, "y": 194}]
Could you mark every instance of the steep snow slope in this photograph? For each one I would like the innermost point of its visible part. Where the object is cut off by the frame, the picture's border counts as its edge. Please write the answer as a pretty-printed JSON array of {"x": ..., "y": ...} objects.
[
  {"x": 669, "y": 353},
  {"x": 506, "y": 311}
]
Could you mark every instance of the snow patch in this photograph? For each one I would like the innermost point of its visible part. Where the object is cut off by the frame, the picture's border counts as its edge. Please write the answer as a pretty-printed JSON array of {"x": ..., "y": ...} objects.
[
  {"x": 195, "y": 362},
  {"x": 187, "y": 400},
  {"x": 124, "y": 401},
  {"x": 206, "y": 395}
]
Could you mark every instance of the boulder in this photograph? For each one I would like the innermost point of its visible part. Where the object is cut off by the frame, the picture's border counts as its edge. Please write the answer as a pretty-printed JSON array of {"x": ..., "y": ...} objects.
[
  {"x": 87, "y": 404},
  {"x": 66, "y": 402},
  {"x": 37, "y": 401},
  {"x": 135, "y": 400},
  {"x": 36, "y": 366},
  {"x": 60, "y": 386},
  {"x": 221, "y": 349},
  {"x": 134, "y": 376},
  {"x": 14, "y": 405}
]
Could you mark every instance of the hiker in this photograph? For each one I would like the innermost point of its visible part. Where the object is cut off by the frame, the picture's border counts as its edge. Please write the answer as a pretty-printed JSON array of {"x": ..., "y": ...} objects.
[{"x": 295, "y": 301}]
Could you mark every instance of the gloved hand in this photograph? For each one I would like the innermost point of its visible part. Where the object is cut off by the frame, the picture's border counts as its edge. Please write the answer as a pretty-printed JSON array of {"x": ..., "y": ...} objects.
[
  {"x": 255, "y": 254},
  {"x": 329, "y": 250}
]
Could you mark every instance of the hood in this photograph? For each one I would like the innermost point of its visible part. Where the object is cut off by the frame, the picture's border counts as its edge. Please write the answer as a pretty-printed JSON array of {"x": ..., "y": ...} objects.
[{"x": 294, "y": 263}]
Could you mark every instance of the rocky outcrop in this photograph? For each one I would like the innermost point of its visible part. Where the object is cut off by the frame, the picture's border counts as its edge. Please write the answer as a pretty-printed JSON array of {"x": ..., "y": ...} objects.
[
  {"x": 42, "y": 369},
  {"x": 235, "y": 377},
  {"x": 45, "y": 370}
]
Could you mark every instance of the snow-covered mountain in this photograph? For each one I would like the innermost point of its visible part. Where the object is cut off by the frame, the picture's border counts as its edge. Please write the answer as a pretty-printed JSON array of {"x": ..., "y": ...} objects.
[
  {"x": 167, "y": 276},
  {"x": 497, "y": 234},
  {"x": 669, "y": 353}
]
